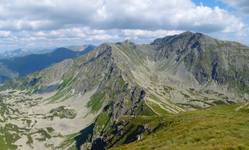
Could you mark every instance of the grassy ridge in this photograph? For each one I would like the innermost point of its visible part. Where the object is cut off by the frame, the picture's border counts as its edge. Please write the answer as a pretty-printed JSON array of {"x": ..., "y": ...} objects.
[{"x": 220, "y": 127}]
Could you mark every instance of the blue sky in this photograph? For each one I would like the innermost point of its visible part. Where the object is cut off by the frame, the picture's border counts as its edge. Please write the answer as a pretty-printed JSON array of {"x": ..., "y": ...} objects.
[
  {"x": 32, "y": 24},
  {"x": 211, "y": 3}
]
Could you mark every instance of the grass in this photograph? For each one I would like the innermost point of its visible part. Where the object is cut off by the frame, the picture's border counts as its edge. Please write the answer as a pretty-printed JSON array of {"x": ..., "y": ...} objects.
[
  {"x": 8, "y": 136},
  {"x": 156, "y": 108},
  {"x": 64, "y": 89},
  {"x": 129, "y": 127},
  {"x": 66, "y": 82},
  {"x": 101, "y": 122},
  {"x": 96, "y": 102},
  {"x": 219, "y": 127},
  {"x": 3, "y": 143},
  {"x": 102, "y": 119},
  {"x": 69, "y": 141},
  {"x": 151, "y": 122}
]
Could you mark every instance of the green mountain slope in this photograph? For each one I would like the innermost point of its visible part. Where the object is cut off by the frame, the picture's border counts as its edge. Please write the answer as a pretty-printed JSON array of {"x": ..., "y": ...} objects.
[{"x": 219, "y": 127}]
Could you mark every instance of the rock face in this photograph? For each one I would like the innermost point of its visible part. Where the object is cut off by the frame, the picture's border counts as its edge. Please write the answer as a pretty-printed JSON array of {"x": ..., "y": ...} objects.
[
  {"x": 172, "y": 74},
  {"x": 207, "y": 59}
]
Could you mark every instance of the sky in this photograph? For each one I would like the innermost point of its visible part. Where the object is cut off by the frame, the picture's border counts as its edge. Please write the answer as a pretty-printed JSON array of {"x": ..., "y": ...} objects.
[{"x": 40, "y": 24}]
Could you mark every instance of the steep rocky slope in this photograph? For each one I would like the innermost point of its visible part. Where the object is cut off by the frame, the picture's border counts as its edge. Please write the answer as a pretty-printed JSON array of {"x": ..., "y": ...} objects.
[
  {"x": 128, "y": 81},
  {"x": 207, "y": 59}
]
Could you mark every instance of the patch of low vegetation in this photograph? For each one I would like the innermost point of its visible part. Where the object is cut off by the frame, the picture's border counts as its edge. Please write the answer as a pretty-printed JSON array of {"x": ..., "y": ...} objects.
[
  {"x": 96, "y": 102},
  {"x": 62, "y": 112},
  {"x": 156, "y": 108},
  {"x": 102, "y": 122},
  {"x": 9, "y": 134},
  {"x": 131, "y": 128},
  {"x": 50, "y": 129},
  {"x": 69, "y": 142},
  {"x": 30, "y": 140},
  {"x": 64, "y": 89}
]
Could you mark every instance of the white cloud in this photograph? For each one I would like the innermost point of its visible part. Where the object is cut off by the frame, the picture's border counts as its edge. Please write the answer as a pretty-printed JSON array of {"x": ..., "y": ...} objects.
[
  {"x": 109, "y": 14},
  {"x": 5, "y": 34},
  {"x": 76, "y": 21},
  {"x": 241, "y": 5},
  {"x": 146, "y": 35}
]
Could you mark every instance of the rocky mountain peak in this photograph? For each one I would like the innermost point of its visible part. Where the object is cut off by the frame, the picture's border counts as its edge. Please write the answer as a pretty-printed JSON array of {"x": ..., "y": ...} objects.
[{"x": 183, "y": 38}]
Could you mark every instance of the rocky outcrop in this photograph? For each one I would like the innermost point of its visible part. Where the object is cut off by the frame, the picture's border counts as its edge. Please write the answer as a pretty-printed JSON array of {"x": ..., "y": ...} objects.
[{"x": 207, "y": 59}]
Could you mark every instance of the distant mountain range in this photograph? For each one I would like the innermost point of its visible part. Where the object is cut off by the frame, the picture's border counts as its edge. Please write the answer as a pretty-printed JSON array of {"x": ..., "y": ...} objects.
[
  {"x": 23, "y": 65},
  {"x": 6, "y": 54}
]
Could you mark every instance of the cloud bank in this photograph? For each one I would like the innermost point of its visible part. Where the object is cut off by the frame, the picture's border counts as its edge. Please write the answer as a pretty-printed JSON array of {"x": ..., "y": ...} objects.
[
  {"x": 30, "y": 23},
  {"x": 241, "y": 5}
]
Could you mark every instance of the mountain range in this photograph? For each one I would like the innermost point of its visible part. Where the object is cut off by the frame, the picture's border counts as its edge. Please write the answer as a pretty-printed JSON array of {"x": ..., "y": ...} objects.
[
  {"x": 131, "y": 96},
  {"x": 24, "y": 65}
]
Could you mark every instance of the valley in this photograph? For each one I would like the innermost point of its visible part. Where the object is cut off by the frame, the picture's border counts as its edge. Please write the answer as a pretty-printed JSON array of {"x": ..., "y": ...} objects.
[{"x": 33, "y": 122}]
